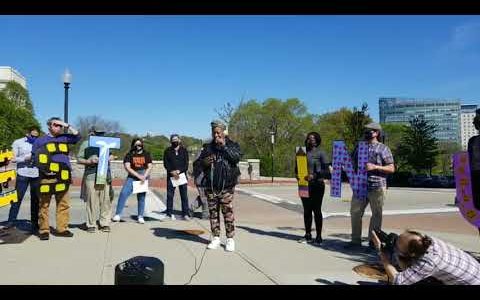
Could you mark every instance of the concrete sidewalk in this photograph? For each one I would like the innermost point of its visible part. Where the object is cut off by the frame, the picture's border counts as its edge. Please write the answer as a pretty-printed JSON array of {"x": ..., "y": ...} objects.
[{"x": 266, "y": 241}]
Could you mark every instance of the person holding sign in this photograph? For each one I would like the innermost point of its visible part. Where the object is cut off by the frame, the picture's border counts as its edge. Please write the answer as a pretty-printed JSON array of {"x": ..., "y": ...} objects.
[
  {"x": 96, "y": 196},
  {"x": 317, "y": 172},
  {"x": 380, "y": 164},
  {"x": 52, "y": 180},
  {"x": 175, "y": 160},
  {"x": 138, "y": 164}
]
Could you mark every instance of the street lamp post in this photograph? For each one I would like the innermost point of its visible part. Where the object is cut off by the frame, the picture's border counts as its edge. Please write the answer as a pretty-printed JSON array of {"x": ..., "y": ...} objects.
[
  {"x": 67, "y": 79},
  {"x": 273, "y": 132}
]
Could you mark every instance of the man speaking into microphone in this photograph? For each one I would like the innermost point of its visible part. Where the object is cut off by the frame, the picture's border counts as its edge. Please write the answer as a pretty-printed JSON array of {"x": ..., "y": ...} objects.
[{"x": 220, "y": 163}]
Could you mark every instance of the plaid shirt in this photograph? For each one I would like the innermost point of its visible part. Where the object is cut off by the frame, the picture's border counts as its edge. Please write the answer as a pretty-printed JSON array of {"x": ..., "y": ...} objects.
[
  {"x": 378, "y": 154},
  {"x": 446, "y": 263}
]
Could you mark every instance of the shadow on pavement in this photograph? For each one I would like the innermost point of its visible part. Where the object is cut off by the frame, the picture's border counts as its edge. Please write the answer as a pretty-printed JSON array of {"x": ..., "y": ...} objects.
[
  {"x": 336, "y": 282},
  {"x": 14, "y": 235},
  {"x": 292, "y": 228},
  {"x": 346, "y": 236},
  {"x": 358, "y": 254},
  {"x": 292, "y": 237},
  {"x": 23, "y": 225},
  {"x": 178, "y": 234},
  {"x": 82, "y": 226}
]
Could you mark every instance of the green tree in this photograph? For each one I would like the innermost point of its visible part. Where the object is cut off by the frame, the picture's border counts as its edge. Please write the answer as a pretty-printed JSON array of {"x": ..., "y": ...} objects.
[
  {"x": 392, "y": 137},
  {"x": 17, "y": 94},
  {"x": 251, "y": 124},
  {"x": 14, "y": 120},
  {"x": 331, "y": 128},
  {"x": 354, "y": 125},
  {"x": 419, "y": 146},
  {"x": 444, "y": 160}
]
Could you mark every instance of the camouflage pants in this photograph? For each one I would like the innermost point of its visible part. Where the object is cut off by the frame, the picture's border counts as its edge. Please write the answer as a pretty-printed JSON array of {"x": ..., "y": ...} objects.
[{"x": 223, "y": 202}]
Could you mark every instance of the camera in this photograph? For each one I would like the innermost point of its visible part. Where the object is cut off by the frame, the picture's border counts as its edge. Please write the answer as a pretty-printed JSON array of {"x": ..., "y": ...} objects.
[{"x": 388, "y": 240}]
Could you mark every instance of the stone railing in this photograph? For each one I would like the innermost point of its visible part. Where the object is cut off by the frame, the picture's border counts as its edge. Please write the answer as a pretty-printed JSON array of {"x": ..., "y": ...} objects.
[{"x": 249, "y": 169}]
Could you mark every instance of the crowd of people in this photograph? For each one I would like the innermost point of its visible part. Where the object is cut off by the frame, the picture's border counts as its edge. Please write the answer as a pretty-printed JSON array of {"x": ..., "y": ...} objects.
[{"x": 216, "y": 173}]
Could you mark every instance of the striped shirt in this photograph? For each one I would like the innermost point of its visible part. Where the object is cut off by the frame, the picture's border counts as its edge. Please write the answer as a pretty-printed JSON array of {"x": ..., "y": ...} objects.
[{"x": 444, "y": 262}]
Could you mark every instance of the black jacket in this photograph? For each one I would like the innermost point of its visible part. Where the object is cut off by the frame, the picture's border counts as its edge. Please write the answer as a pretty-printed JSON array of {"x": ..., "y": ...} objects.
[
  {"x": 223, "y": 173},
  {"x": 171, "y": 161}
]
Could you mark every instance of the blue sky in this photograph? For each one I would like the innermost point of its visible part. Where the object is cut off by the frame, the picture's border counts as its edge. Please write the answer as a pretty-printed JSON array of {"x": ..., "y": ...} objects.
[{"x": 167, "y": 74}]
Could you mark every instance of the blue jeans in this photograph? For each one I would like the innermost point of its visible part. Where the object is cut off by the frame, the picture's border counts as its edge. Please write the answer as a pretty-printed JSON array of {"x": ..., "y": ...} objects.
[
  {"x": 127, "y": 190},
  {"x": 183, "y": 196},
  {"x": 21, "y": 186}
]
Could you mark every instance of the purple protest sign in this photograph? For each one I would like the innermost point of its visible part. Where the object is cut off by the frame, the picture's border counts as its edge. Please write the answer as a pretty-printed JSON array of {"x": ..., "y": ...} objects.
[
  {"x": 358, "y": 180},
  {"x": 463, "y": 185}
]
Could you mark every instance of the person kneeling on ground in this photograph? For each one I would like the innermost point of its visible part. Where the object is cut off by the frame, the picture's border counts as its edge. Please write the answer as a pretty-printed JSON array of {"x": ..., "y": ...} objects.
[{"x": 422, "y": 258}]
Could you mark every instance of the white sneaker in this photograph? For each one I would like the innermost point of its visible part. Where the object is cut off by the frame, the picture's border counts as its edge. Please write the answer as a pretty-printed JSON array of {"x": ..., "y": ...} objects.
[
  {"x": 141, "y": 220},
  {"x": 172, "y": 217},
  {"x": 215, "y": 243},
  {"x": 186, "y": 218},
  {"x": 116, "y": 218},
  {"x": 230, "y": 245}
]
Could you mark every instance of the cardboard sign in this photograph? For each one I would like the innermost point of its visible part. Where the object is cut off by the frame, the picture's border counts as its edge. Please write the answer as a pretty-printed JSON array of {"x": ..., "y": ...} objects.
[
  {"x": 105, "y": 144},
  {"x": 8, "y": 195},
  {"x": 302, "y": 171},
  {"x": 341, "y": 160},
  {"x": 463, "y": 185}
]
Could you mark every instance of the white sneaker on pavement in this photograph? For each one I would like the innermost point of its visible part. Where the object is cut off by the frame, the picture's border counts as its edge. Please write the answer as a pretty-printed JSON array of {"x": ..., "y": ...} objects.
[
  {"x": 172, "y": 217},
  {"x": 141, "y": 220},
  {"x": 215, "y": 243},
  {"x": 116, "y": 218},
  {"x": 230, "y": 245}
]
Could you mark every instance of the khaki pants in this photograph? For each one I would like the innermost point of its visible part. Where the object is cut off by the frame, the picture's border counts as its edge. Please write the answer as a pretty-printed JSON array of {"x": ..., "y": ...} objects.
[
  {"x": 357, "y": 209},
  {"x": 98, "y": 203},
  {"x": 62, "y": 213}
]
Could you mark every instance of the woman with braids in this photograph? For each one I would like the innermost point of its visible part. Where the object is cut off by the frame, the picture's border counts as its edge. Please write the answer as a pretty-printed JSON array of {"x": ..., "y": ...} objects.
[
  {"x": 318, "y": 171},
  {"x": 422, "y": 258}
]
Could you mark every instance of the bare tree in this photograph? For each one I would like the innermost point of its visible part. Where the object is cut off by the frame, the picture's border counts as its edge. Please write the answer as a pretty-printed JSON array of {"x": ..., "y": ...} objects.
[
  {"x": 84, "y": 123},
  {"x": 225, "y": 113}
]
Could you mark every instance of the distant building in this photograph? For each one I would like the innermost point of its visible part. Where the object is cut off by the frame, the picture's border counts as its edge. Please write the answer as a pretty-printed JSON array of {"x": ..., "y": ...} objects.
[
  {"x": 8, "y": 74},
  {"x": 443, "y": 113},
  {"x": 467, "y": 130}
]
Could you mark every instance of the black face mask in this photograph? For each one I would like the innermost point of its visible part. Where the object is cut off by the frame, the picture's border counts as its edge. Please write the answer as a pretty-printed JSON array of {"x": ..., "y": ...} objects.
[
  {"x": 175, "y": 144},
  {"x": 368, "y": 135},
  {"x": 139, "y": 148}
]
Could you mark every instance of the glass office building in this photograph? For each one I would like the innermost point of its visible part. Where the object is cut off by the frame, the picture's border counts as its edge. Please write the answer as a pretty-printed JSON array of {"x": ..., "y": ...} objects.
[{"x": 444, "y": 113}]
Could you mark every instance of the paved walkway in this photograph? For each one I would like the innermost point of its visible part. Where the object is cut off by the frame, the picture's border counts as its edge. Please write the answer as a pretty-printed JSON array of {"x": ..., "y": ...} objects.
[{"x": 267, "y": 249}]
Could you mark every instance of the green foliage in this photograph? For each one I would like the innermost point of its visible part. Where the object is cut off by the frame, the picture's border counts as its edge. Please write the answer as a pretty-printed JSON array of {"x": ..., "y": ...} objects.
[
  {"x": 392, "y": 137},
  {"x": 14, "y": 120},
  {"x": 331, "y": 128},
  {"x": 251, "y": 125},
  {"x": 252, "y": 122},
  {"x": 18, "y": 95},
  {"x": 156, "y": 145},
  {"x": 419, "y": 146},
  {"x": 354, "y": 125},
  {"x": 444, "y": 159}
]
